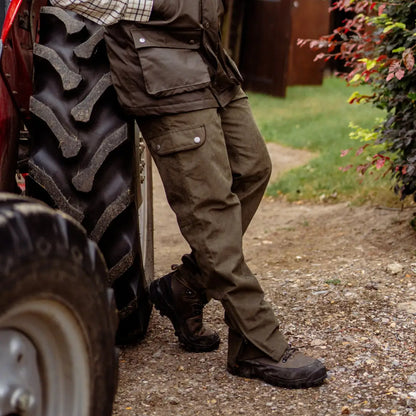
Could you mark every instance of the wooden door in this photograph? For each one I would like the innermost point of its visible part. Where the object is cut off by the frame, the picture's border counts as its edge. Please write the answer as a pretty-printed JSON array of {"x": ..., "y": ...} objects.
[
  {"x": 265, "y": 46},
  {"x": 310, "y": 20}
]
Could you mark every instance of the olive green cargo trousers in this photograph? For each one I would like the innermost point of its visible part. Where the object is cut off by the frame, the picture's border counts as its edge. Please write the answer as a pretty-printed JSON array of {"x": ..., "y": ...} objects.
[{"x": 215, "y": 167}]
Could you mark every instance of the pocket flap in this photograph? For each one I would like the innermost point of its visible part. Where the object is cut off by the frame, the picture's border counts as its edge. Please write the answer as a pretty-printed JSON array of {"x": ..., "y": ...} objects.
[
  {"x": 178, "y": 141},
  {"x": 145, "y": 38}
]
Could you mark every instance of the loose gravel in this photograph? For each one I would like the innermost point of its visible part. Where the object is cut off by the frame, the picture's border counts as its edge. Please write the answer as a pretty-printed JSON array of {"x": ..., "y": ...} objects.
[{"x": 342, "y": 281}]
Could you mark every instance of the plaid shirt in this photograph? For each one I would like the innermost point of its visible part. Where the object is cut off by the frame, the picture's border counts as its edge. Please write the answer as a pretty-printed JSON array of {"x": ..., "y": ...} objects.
[{"x": 107, "y": 12}]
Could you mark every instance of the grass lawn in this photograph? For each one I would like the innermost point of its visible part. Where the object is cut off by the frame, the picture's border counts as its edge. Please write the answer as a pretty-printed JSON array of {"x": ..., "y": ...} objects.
[{"x": 316, "y": 118}]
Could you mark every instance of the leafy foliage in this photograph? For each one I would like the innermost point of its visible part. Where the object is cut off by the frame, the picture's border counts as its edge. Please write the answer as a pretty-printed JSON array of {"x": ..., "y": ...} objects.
[{"x": 378, "y": 45}]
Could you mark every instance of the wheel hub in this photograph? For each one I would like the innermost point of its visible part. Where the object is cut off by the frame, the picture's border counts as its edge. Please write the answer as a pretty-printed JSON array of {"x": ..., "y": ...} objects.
[{"x": 20, "y": 383}]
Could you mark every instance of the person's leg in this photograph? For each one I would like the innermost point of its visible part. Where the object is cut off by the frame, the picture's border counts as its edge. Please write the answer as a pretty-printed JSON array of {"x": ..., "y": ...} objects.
[
  {"x": 248, "y": 156},
  {"x": 191, "y": 155},
  {"x": 251, "y": 168}
]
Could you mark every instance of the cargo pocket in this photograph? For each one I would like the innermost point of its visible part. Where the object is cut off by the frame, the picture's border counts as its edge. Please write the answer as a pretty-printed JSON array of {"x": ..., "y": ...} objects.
[
  {"x": 178, "y": 141},
  {"x": 171, "y": 62}
]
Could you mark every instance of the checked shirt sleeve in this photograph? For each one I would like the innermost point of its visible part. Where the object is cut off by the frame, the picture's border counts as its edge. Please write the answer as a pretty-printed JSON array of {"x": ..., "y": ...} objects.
[{"x": 108, "y": 12}]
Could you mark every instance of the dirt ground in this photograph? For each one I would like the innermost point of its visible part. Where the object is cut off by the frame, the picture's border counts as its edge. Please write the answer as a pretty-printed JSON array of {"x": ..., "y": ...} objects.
[{"x": 342, "y": 280}]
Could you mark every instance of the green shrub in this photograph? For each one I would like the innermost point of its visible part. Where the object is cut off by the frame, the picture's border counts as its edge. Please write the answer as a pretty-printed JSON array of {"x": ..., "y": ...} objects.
[{"x": 378, "y": 45}]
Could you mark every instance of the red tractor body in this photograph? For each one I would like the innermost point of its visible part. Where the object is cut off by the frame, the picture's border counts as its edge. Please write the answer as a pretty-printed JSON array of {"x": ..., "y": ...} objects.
[
  {"x": 9, "y": 129},
  {"x": 18, "y": 32}
]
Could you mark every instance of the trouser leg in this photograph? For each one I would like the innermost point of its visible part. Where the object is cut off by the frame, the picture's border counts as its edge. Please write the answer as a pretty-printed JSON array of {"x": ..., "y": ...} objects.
[
  {"x": 248, "y": 157},
  {"x": 191, "y": 154},
  {"x": 251, "y": 168}
]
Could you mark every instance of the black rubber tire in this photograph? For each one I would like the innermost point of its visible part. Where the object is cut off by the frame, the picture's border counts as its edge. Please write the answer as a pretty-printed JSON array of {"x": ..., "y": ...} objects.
[
  {"x": 47, "y": 259},
  {"x": 83, "y": 158}
]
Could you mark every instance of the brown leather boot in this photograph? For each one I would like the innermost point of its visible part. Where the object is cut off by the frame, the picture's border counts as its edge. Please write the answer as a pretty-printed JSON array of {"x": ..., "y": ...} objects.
[
  {"x": 183, "y": 306},
  {"x": 293, "y": 370}
]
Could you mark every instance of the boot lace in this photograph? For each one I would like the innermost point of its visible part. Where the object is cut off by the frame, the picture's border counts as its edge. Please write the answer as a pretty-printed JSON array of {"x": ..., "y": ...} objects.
[{"x": 288, "y": 353}]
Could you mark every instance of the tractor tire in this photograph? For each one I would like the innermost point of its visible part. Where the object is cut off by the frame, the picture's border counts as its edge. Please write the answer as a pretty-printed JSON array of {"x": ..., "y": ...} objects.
[
  {"x": 57, "y": 315},
  {"x": 87, "y": 159}
]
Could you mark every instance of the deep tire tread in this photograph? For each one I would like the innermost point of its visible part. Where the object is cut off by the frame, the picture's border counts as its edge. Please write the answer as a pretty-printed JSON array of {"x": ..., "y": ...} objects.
[
  {"x": 70, "y": 79},
  {"x": 86, "y": 49},
  {"x": 93, "y": 181},
  {"x": 47, "y": 182},
  {"x": 82, "y": 111},
  {"x": 109, "y": 214},
  {"x": 69, "y": 143},
  {"x": 84, "y": 179},
  {"x": 72, "y": 25},
  {"x": 121, "y": 267}
]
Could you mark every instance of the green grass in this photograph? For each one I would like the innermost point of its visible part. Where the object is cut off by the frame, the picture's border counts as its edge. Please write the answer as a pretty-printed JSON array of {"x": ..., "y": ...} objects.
[{"x": 316, "y": 118}]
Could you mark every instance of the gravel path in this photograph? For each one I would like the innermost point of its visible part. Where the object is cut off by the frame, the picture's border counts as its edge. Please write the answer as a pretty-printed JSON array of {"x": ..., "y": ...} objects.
[{"x": 342, "y": 280}]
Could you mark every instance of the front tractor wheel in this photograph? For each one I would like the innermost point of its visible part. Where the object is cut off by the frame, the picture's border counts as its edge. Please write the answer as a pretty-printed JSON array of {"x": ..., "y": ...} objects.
[{"x": 57, "y": 318}]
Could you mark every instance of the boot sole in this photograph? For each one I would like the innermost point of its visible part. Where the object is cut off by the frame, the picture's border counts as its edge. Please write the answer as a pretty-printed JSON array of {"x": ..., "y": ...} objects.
[
  {"x": 252, "y": 372},
  {"x": 157, "y": 298}
]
